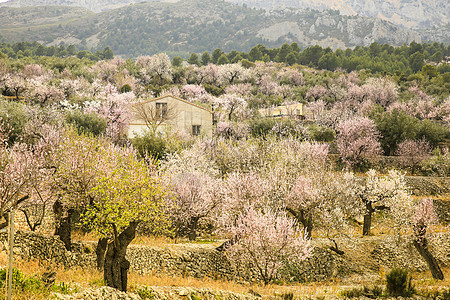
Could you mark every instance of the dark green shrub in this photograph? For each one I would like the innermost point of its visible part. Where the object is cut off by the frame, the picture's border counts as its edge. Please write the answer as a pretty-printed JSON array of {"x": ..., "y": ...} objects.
[
  {"x": 90, "y": 123},
  {"x": 261, "y": 127},
  {"x": 125, "y": 89},
  {"x": 150, "y": 144},
  {"x": 14, "y": 117},
  {"x": 397, "y": 126},
  {"x": 214, "y": 90},
  {"x": 398, "y": 283},
  {"x": 322, "y": 134}
]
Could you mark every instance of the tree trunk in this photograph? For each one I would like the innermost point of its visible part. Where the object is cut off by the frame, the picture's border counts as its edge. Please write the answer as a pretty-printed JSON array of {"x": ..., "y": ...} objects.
[
  {"x": 305, "y": 219},
  {"x": 63, "y": 227},
  {"x": 436, "y": 271},
  {"x": 227, "y": 244},
  {"x": 100, "y": 250},
  {"x": 368, "y": 218},
  {"x": 115, "y": 270},
  {"x": 192, "y": 234}
]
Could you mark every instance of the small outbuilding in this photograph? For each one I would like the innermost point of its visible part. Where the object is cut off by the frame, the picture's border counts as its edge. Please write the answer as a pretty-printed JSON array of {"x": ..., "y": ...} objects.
[{"x": 294, "y": 110}]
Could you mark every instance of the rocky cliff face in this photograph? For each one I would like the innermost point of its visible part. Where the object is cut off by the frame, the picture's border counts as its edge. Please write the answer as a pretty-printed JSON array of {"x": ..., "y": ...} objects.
[
  {"x": 329, "y": 29},
  {"x": 408, "y": 13}
]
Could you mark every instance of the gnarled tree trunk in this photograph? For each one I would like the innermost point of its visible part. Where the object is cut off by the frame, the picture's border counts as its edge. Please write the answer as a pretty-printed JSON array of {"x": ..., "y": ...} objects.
[
  {"x": 63, "y": 227},
  {"x": 436, "y": 271},
  {"x": 100, "y": 250},
  {"x": 305, "y": 219},
  {"x": 368, "y": 218},
  {"x": 421, "y": 243},
  {"x": 115, "y": 270},
  {"x": 192, "y": 230}
]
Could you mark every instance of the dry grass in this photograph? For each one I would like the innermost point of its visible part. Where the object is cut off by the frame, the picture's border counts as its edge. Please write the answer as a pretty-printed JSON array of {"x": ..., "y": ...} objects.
[{"x": 78, "y": 277}]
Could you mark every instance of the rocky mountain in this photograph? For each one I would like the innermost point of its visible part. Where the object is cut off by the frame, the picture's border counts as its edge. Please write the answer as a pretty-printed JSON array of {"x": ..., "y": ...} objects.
[
  {"x": 417, "y": 14},
  {"x": 195, "y": 26},
  {"x": 407, "y": 13}
]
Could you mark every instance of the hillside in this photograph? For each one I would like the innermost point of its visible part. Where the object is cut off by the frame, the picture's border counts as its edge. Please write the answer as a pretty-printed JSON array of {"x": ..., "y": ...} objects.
[
  {"x": 93, "y": 5},
  {"x": 12, "y": 18},
  {"x": 417, "y": 14},
  {"x": 195, "y": 26},
  {"x": 407, "y": 13}
]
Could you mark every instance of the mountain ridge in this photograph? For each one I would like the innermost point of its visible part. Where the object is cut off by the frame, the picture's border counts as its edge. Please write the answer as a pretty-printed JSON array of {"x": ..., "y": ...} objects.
[
  {"x": 413, "y": 14},
  {"x": 188, "y": 26}
]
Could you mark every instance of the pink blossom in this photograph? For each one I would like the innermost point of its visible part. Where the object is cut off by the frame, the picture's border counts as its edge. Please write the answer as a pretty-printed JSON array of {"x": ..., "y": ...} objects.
[
  {"x": 267, "y": 239},
  {"x": 316, "y": 92},
  {"x": 412, "y": 153},
  {"x": 382, "y": 91},
  {"x": 357, "y": 141}
]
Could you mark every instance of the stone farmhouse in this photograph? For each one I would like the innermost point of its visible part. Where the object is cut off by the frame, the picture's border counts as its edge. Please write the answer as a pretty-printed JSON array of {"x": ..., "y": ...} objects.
[{"x": 170, "y": 113}]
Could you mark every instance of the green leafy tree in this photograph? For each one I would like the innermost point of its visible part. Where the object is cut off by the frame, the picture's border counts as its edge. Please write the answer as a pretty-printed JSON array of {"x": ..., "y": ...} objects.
[
  {"x": 430, "y": 71},
  {"x": 291, "y": 58},
  {"x": 193, "y": 59},
  {"x": 107, "y": 53},
  {"x": 283, "y": 52},
  {"x": 215, "y": 55},
  {"x": 128, "y": 193},
  {"x": 295, "y": 47},
  {"x": 311, "y": 55},
  {"x": 416, "y": 61},
  {"x": 223, "y": 60},
  {"x": 205, "y": 58},
  {"x": 395, "y": 127},
  {"x": 177, "y": 61},
  {"x": 329, "y": 62},
  {"x": 255, "y": 54},
  {"x": 71, "y": 50}
]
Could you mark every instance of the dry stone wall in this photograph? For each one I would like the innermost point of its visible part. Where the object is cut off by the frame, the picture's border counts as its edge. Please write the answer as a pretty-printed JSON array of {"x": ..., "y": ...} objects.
[
  {"x": 30, "y": 246},
  {"x": 200, "y": 260}
]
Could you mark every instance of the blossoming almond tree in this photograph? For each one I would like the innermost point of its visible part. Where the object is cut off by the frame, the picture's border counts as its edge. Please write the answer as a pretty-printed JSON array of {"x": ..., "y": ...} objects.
[
  {"x": 357, "y": 141},
  {"x": 381, "y": 193},
  {"x": 78, "y": 162},
  {"x": 418, "y": 217},
  {"x": 266, "y": 239},
  {"x": 424, "y": 217},
  {"x": 413, "y": 152},
  {"x": 195, "y": 198},
  {"x": 17, "y": 172}
]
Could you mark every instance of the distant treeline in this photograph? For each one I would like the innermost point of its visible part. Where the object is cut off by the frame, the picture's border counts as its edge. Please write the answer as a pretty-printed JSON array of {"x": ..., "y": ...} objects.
[
  {"x": 34, "y": 49},
  {"x": 376, "y": 58}
]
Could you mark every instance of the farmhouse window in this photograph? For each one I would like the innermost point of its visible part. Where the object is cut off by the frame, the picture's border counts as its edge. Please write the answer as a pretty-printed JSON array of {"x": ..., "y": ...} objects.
[
  {"x": 195, "y": 130},
  {"x": 161, "y": 109}
]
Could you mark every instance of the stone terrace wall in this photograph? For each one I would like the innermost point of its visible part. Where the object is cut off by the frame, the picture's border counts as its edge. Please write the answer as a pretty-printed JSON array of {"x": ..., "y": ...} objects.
[
  {"x": 362, "y": 255},
  {"x": 204, "y": 261},
  {"x": 28, "y": 246}
]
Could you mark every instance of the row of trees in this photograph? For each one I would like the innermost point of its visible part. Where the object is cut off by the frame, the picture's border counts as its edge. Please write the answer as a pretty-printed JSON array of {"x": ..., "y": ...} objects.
[
  {"x": 266, "y": 196},
  {"x": 34, "y": 49},
  {"x": 265, "y": 184},
  {"x": 377, "y": 58},
  {"x": 97, "y": 97}
]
